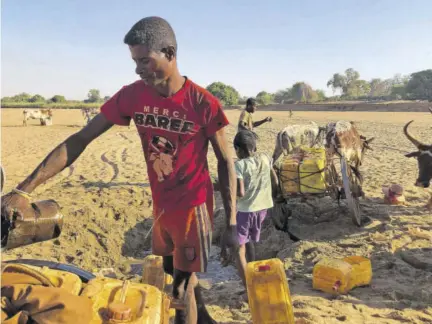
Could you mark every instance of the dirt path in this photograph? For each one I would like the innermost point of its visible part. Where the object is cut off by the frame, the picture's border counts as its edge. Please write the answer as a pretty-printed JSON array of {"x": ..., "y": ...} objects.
[{"x": 107, "y": 203}]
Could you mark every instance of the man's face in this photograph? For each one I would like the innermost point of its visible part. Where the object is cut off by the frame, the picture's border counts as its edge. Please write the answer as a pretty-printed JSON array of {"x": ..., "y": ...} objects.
[
  {"x": 251, "y": 108},
  {"x": 153, "y": 68}
]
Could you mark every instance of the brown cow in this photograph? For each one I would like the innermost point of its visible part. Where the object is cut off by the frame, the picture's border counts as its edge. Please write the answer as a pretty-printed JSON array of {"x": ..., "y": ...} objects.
[
  {"x": 343, "y": 139},
  {"x": 424, "y": 158}
]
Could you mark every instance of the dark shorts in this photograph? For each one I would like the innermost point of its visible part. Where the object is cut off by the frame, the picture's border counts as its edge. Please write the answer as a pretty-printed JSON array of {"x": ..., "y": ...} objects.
[{"x": 249, "y": 225}]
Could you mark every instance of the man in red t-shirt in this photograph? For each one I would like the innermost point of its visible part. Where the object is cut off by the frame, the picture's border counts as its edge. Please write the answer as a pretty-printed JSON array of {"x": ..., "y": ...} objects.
[{"x": 176, "y": 119}]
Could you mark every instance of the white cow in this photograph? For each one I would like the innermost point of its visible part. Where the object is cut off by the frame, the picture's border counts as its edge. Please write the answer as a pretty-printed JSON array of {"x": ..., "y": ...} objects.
[
  {"x": 294, "y": 136},
  {"x": 44, "y": 116}
]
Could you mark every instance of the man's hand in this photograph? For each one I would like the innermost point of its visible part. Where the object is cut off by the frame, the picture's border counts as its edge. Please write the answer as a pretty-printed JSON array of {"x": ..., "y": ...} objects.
[
  {"x": 229, "y": 245},
  {"x": 269, "y": 119}
]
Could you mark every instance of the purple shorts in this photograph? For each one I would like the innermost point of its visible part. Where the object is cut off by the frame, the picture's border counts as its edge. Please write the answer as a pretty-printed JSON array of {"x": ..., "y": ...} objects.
[{"x": 249, "y": 225}]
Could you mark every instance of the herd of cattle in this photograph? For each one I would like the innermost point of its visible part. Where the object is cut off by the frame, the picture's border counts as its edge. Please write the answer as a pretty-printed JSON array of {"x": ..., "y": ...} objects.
[
  {"x": 340, "y": 138},
  {"x": 45, "y": 116}
]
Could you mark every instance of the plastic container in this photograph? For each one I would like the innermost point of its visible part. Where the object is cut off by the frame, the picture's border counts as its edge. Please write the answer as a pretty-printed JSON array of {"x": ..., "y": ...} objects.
[
  {"x": 153, "y": 272},
  {"x": 117, "y": 301},
  {"x": 28, "y": 274},
  {"x": 43, "y": 222},
  {"x": 61, "y": 279},
  {"x": 339, "y": 276},
  {"x": 312, "y": 175},
  {"x": 361, "y": 273},
  {"x": 332, "y": 276},
  {"x": 289, "y": 175},
  {"x": 268, "y": 292}
]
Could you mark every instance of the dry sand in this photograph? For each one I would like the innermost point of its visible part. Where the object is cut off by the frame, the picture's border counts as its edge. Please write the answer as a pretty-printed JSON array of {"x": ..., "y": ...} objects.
[{"x": 107, "y": 206}]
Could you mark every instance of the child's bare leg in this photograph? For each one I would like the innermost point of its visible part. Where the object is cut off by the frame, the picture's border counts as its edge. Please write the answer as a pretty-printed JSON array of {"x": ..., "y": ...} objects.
[
  {"x": 241, "y": 263},
  {"x": 250, "y": 252}
]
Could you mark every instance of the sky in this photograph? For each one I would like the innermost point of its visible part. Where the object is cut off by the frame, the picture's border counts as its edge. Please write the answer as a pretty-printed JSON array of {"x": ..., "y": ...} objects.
[{"x": 70, "y": 46}]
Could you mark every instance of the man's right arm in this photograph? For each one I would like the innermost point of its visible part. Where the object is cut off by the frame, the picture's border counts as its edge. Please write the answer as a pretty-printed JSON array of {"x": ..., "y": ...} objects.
[{"x": 65, "y": 153}]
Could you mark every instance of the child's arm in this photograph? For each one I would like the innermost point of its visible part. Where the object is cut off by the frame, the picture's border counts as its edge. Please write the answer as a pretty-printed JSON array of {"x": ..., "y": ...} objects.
[
  {"x": 240, "y": 182},
  {"x": 274, "y": 181},
  {"x": 240, "y": 188}
]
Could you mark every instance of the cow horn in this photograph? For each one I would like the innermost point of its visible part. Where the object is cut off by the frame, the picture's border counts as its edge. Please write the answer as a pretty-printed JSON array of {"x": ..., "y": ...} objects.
[
  {"x": 430, "y": 109},
  {"x": 412, "y": 139}
]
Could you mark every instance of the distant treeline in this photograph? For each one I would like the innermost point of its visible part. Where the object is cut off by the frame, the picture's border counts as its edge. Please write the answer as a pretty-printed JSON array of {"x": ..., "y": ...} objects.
[
  {"x": 25, "y": 100},
  {"x": 416, "y": 86},
  {"x": 61, "y": 105}
]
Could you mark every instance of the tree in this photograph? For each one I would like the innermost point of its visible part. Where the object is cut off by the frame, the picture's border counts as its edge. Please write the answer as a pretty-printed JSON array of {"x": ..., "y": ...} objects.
[
  {"x": 338, "y": 81},
  {"x": 378, "y": 88},
  {"x": 225, "y": 93},
  {"x": 358, "y": 88},
  {"x": 21, "y": 97},
  {"x": 264, "y": 98},
  {"x": 351, "y": 76},
  {"x": 321, "y": 95},
  {"x": 242, "y": 100},
  {"x": 420, "y": 85},
  {"x": 106, "y": 98},
  {"x": 93, "y": 95},
  {"x": 303, "y": 92},
  {"x": 58, "y": 99},
  {"x": 344, "y": 82},
  {"x": 6, "y": 99},
  {"x": 283, "y": 96},
  {"x": 37, "y": 98}
]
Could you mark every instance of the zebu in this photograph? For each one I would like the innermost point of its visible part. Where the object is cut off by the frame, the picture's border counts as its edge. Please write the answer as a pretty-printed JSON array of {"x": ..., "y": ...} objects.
[
  {"x": 424, "y": 158},
  {"x": 343, "y": 140},
  {"x": 44, "y": 116},
  {"x": 294, "y": 136},
  {"x": 342, "y": 143}
]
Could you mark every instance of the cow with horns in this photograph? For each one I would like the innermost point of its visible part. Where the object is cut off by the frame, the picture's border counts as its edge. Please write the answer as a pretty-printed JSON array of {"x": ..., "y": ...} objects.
[
  {"x": 424, "y": 158},
  {"x": 344, "y": 140}
]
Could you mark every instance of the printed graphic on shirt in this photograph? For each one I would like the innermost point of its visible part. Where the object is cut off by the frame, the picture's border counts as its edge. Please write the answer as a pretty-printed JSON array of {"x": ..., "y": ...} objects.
[
  {"x": 163, "y": 155},
  {"x": 158, "y": 118}
]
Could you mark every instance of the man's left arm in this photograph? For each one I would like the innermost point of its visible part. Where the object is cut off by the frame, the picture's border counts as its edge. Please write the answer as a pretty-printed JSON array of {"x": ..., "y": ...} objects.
[
  {"x": 226, "y": 174},
  {"x": 260, "y": 122}
]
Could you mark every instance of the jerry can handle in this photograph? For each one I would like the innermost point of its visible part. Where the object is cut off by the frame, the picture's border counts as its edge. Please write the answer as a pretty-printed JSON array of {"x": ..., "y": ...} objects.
[{"x": 124, "y": 290}]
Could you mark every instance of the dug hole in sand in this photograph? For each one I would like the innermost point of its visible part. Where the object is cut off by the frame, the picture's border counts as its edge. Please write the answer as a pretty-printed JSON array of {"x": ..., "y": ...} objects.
[{"x": 106, "y": 200}]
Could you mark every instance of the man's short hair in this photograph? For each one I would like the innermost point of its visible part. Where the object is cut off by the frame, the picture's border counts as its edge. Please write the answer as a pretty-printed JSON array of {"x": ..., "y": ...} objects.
[
  {"x": 154, "y": 32},
  {"x": 251, "y": 102},
  {"x": 245, "y": 140}
]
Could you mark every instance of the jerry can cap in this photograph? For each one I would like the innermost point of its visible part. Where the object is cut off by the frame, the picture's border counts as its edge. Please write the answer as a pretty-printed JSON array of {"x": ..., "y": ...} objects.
[{"x": 119, "y": 312}]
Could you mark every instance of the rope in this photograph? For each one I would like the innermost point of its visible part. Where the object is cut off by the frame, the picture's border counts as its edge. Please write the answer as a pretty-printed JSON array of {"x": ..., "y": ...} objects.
[
  {"x": 391, "y": 148},
  {"x": 154, "y": 222}
]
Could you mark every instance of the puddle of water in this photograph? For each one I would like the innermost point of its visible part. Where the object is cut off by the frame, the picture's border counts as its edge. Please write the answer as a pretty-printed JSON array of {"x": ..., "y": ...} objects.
[{"x": 217, "y": 274}]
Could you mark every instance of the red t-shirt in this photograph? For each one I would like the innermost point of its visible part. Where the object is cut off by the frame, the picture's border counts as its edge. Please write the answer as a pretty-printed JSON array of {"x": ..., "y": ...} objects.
[{"x": 174, "y": 133}]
